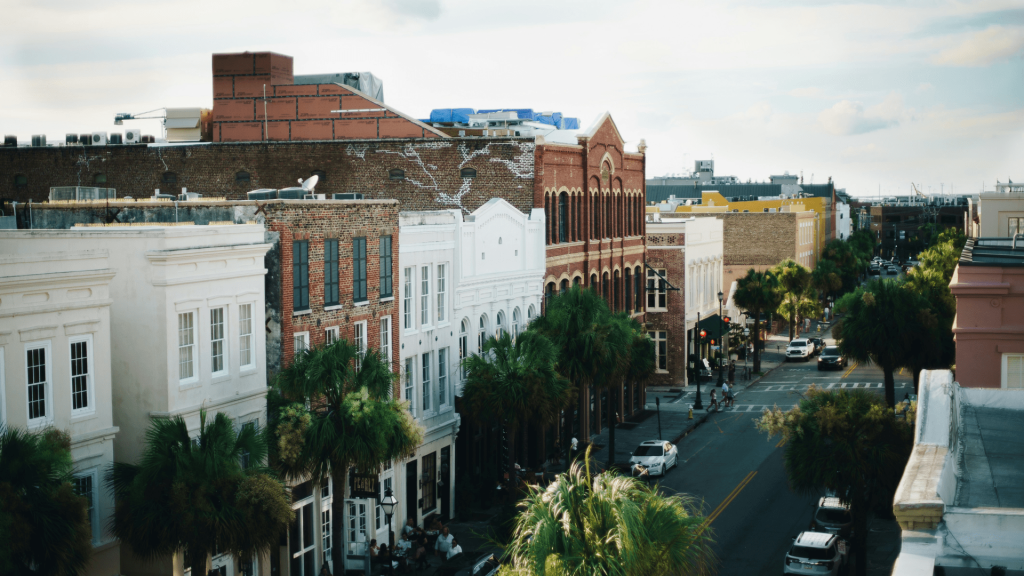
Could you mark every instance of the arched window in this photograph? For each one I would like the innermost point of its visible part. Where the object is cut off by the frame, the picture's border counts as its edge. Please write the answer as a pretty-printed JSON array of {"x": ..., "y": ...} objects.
[
  {"x": 531, "y": 313},
  {"x": 20, "y": 181},
  {"x": 547, "y": 219},
  {"x": 595, "y": 220},
  {"x": 563, "y": 217},
  {"x": 577, "y": 215},
  {"x": 321, "y": 176},
  {"x": 564, "y": 286},
  {"x": 606, "y": 230},
  {"x": 576, "y": 281},
  {"x": 517, "y": 320},
  {"x": 242, "y": 177},
  {"x": 627, "y": 278},
  {"x": 169, "y": 178},
  {"x": 638, "y": 289},
  {"x": 396, "y": 174},
  {"x": 549, "y": 293},
  {"x": 468, "y": 173},
  {"x": 593, "y": 282},
  {"x": 99, "y": 179},
  {"x": 604, "y": 287},
  {"x": 499, "y": 327},
  {"x": 481, "y": 336},
  {"x": 463, "y": 345},
  {"x": 616, "y": 292}
]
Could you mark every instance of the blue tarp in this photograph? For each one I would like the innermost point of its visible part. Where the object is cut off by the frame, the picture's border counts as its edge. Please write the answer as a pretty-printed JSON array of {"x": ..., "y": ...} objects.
[
  {"x": 521, "y": 113},
  {"x": 570, "y": 123},
  {"x": 451, "y": 115}
]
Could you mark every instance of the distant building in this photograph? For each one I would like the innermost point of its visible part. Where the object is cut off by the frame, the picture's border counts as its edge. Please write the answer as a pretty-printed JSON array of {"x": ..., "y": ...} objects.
[
  {"x": 896, "y": 223},
  {"x": 55, "y": 363},
  {"x": 998, "y": 214}
]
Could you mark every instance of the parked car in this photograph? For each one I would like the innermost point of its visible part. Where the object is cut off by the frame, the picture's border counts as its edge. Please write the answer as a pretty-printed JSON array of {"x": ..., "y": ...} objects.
[
  {"x": 799, "y": 349},
  {"x": 819, "y": 345},
  {"x": 816, "y": 553},
  {"x": 833, "y": 516},
  {"x": 831, "y": 358},
  {"x": 655, "y": 455},
  {"x": 486, "y": 565}
]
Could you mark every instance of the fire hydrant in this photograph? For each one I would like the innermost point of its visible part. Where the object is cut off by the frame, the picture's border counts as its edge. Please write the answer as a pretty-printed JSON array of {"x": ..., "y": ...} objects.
[{"x": 691, "y": 411}]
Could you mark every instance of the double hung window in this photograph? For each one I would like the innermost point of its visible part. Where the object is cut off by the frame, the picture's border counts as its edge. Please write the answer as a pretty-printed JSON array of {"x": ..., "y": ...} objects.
[
  {"x": 246, "y": 358},
  {"x": 660, "y": 339},
  {"x": 331, "y": 297},
  {"x": 217, "y": 351},
  {"x": 426, "y": 381},
  {"x": 424, "y": 295},
  {"x": 385, "y": 267},
  {"x": 657, "y": 294},
  {"x": 360, "y": 338},
  {"x": 442, "y": 292},
  {"x": 359, "y": 269},
  {"x": 81, "y": 375},
  {"x": 37, "y": 366},
  {"x": 407, "y": 299},
  {"x": 186, "y": 346},
  {"x": 85, "y": 486},
  {"x": 300, "y": 275},
  {"x": 410, "y": 384},
  {"x": 442, "y": 378}
]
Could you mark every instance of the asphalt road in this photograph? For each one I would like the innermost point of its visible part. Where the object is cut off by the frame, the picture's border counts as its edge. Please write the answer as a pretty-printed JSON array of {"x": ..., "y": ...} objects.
[{"x": 737, "y": 474}]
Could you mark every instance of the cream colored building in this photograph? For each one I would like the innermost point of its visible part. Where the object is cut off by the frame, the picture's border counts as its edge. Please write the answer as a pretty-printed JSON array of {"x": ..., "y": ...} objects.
[
  {"x": 187, "y": 331},
  {"x": 55, "y": 369},
  {"x": 1000, "y": 214}
]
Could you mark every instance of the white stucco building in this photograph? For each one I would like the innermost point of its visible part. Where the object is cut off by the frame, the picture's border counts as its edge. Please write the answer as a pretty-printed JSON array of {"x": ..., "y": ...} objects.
[
  {"x": 844, "y": 227},
  {"x": 187, "y": 330},
  {"x": 55, "y": 365}
]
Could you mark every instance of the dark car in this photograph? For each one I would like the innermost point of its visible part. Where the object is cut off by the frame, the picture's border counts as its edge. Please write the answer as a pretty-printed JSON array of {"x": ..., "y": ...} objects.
[
  {"x": 462, "y": 565},
  {"x": 831, "y": 358},
  {"x": 819, "y": 345}
]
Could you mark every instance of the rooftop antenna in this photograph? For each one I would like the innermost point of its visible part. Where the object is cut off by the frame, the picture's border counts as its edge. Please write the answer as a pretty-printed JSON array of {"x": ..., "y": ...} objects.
[{"x": 309, "y": 183}]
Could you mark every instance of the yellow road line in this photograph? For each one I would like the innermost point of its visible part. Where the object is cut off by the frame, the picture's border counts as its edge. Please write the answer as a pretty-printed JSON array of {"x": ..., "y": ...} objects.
[
  {"x": 852, "y": 368},
  {"x": 781, "y": 443},
  {"x": 728, "y": 499},
  {"x": 901, "y": 371}
]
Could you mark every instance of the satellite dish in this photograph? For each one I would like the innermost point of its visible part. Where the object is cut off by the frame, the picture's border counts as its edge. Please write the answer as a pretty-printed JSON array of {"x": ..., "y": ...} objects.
[{"x": 309, "y": 183}]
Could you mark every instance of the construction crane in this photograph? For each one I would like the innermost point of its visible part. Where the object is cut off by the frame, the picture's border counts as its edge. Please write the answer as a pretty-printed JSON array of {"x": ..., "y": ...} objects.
[{"x": 918, "y": 192}]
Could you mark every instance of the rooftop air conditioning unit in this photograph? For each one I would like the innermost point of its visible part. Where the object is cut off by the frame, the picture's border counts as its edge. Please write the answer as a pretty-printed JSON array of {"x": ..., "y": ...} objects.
[
  {"x": 263, "y": 194},
  {"x": 39, "y": 140},
  {"x": 10, "y": 140},
  {"x": 85, "y": 139},
  {"x": 132, "y": 136},
  {"x": 116, "y": 138},
  {"x": 293, "y": 193},
  {"x": 70, "y": 139},
  {"x": 99, "y": 138},
  {"x": 188, "y": 196},
  {"x": 348, "y": 196},
  {"x": 315, "y": 197},
  {"x": 167, "y": 196}
]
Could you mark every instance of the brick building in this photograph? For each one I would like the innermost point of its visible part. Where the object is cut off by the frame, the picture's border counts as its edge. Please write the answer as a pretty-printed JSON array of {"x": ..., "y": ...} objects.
[{"x": 896, "y": 224}]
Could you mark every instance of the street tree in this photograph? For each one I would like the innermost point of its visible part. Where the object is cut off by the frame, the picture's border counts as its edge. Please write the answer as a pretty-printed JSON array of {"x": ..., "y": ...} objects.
[
  {"x": 793, "y": 281},
  {"x": 44, "y": 524},
  {"x": 827, "y": 278},
  {"x": 354, "y": 419},
  {"x": 607, "y": 525},
  {"x": 757, "y": 293},
  {"x": 845, "y": 441},
  {"x": 882, "y": 324},
  {"x": 805, "y": 305},
  {"x": 514, "y": 382},
  {"x": 634, "y": 362},
  {"x": 198, "y": 495}
]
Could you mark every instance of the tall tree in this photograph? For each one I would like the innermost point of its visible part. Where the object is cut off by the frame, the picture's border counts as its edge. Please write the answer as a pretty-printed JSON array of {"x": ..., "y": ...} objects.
[
  {"x": 757, "y": 293},
  {"x": 514, "y": 381},
  {"x": 607, "y": 525},
  {"x": 634, "y": 362},
  {"x": 800, "y": 306},
  {"x": 573, "y": 322},
  {"x": 827, "y": 278},
  {"x": 881, "y": 325},
  {"x": 355, "y": 419},
  {"x": 793, "y": 281},
  {"x": 44, "y": 524},
  {"x": 845, "y": 441},
  {"x": 199, "y": 495}
]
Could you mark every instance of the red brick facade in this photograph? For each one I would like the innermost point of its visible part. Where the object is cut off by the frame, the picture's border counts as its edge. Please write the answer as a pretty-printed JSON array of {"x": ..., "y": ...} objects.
[{"x": 667, "y": 252}]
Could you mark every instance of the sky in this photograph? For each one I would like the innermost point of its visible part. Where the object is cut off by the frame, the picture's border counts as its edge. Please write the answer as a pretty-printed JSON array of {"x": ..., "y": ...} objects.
[{"x": 875, "y": 95}]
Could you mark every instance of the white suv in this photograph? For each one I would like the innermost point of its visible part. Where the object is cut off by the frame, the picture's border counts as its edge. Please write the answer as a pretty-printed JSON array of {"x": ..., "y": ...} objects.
[
  {"x": 800, "y": 349},
  {"x": 816, "y": 553}
]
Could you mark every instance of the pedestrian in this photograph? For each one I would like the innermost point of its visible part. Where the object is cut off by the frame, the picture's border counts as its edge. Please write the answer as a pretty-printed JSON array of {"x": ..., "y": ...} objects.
[
  {"x": 444, "y": 542},
  {"x": 714, "y": 402},
  {"x": 455, "y": 550},
  {"x": 325, "y": 570},
  {"x": 725, "y": 394},
  {"x": 732, "y": 372}
]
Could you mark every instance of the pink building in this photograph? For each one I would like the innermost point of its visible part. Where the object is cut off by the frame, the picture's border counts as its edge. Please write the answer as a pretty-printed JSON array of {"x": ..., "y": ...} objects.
[{"x": 989, "y": 328}]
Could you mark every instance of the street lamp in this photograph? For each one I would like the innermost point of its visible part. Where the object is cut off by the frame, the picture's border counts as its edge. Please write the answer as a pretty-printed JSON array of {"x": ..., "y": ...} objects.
[
  {"x": 697, "y": 404},
  {"x": 657, "y": 403},
  {"x": 388, "y": 504},
  {"x": 720, "y": 339}
]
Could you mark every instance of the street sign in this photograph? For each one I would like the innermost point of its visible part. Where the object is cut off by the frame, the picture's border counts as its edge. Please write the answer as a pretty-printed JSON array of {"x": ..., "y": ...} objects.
[
  {"x": 364, "y": 486},
  {"x": 716, "y": 347},
  {"x": 746, "y": 331}
]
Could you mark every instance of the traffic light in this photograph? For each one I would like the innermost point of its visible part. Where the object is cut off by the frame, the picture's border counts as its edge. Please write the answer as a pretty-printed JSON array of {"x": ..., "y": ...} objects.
[
  {"x": 712, "y": 341},
  {"x": 703, "y": 334},
  {"x": 727, "y": 320}
]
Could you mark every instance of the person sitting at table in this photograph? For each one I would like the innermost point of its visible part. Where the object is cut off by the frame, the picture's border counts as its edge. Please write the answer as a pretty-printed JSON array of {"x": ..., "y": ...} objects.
[
  {"x": 373, "y": 548},
  {"x": 410, "y": 528},
  {"x": 384, "y": 558},
  {"x": 403, "y": 545},
  {"x": 436, "y": 525},
  {"x": 455, "y": 549},
  {"x": 421, "y": 551}
]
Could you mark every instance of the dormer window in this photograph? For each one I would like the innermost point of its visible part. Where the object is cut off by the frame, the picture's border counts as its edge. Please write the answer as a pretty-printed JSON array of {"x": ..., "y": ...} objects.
[
  {"x": 396, "y": 174},
  {"x": 468, "y": 173}
]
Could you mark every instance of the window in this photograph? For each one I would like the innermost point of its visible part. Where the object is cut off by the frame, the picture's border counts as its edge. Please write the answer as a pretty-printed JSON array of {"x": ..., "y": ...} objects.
[
  {"x": 20, "y": 181},
  {"x": 99, "y": 179},
  {"x": 81, "y": 375},
  {"x": 442, "y": 378},
  {"x": 396, "y": 174},
  {"x": 516, "y": 321},
  {"x": 638, "y": 286},
  {"x": 442, "y": 292},
  {"x": 356, "y": 519},
  {"x": 85, "y": 486},
  {"x": 563, "y": 217},
  {"x": 385, "y": 340},
  {"x": 429, "y": 482},
  {"x": 359, "y": 269},
  {"x": 385, "y": 267},
  {"x": 499, "y": 327},
  {"x": 407, "y": 298},
  {"x": 657, "y": 294},
  {"x": 424, "y": 295},
  {"x": 1013, "y": 371},
  {"x": 468, "y": 173},
  {"x": 169, "y": 178},
  {"x": 596, "y": 217},
  {"x": 332, "y": 335},
  {"x": 410, "y": 385},
  {"x": 464, "y": 345},
  {"x": 360, "y": 338},
  {"x": 300, "y": 341},
  {"x": 331, "y": 297},
  {"x": 325, "y": 521},
  {"x": 37, "y": 367},
  {"x": 531, "y": 313},
  {"x": 242, "y": 177},
  {"x": 482, "y": 335},
  {"x": 300, "y": 275},
  {"x": 245, "y": 353},
  {"x": 217, "y": 365},
  {"x": 186, "y": 346},
  {"x": 628, "y": 282},
  {"x": 426, "y": 381},
  {"x": 1015, "y": 226},
  {"x": 660, "y": 350},
  {"x": 385, "y": 485}
]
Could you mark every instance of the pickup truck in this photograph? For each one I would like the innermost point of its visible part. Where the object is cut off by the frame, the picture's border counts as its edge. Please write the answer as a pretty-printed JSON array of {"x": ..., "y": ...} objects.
[{"x": 800, "y": 349}]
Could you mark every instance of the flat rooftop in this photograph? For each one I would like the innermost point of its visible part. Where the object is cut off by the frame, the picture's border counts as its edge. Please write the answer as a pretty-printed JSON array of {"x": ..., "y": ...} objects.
[
  {"x": 992, "y": 252},
  {"x": 993, "y": 458}
]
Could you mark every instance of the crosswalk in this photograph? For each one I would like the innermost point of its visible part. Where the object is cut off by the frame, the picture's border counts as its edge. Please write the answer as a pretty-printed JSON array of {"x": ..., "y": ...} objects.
[{"x": 830, "y": 386}]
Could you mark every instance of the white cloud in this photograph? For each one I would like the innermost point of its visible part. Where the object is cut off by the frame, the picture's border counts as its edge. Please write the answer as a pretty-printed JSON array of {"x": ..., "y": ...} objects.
[
  {"x": 983, "y": 48},
  {"x": 809, "y": 92},
  {"x": 846, "y": 117},
  {"x": 925, "y": 87}
]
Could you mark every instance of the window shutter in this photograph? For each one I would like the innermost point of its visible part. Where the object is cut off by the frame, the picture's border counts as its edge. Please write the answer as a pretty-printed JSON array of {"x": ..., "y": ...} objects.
[{"x": 1015, "y": 371}]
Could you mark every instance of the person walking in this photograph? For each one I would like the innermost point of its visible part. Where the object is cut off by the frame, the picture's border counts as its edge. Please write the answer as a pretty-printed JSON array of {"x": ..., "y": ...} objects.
[
  {"x": 444, "y": 543},
  {"x": 714, "y": 402},
  {"x": 726, "y": 395},
  {"x": 732, "y": 372}
]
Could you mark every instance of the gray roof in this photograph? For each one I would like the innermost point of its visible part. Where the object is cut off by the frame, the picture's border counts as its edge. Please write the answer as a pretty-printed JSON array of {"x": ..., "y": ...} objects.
[
  {"x": 993, "y": 456},
  {"x": 659, "y": 192},
  {"x": 992, "y": 252}
]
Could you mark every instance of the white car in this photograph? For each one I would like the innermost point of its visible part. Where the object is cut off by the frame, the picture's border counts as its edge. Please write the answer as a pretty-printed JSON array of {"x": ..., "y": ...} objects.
[
  {"x": 800, "y": 349},
  {"x": 655, "y": 455},
  {"x": 816, "y": 553}
]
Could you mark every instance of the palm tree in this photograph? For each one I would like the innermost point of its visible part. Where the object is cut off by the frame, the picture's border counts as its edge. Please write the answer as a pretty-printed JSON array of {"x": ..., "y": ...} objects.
[
  {"x": 799, "y": 306},
  {"x": 572, "y": 322},
  {"x": 632, "y": 360},
  {"x": 827, "y": 278},
  {"x": 199, "y": 495},
  {"x": 355, "y": 419},
  {"x": 514, "y": 381},
  {"x": 847, "y": 442},
  {"x": 793, "y": 280},
  {"x": 44, "y": 524},
  {"x": 607, "y": 525},
  {"x": 757, "y": 294},
  {"x": 882, "y": 324}
]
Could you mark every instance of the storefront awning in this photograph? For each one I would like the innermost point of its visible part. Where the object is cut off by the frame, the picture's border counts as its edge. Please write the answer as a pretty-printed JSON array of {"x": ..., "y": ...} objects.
[{"x": 713, "y": 324}]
